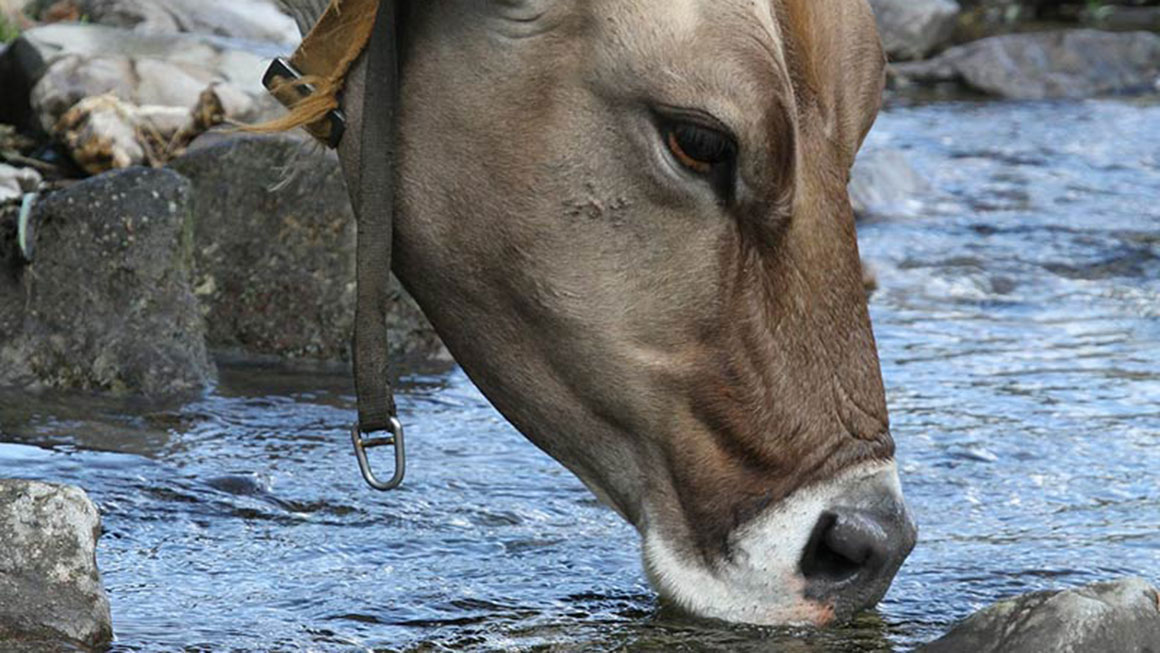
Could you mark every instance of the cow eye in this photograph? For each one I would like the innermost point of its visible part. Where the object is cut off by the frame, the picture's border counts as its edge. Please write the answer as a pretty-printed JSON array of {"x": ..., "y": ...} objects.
[
  {"x": 707, "y": 151},
  {"x": 699, "y": 148}
]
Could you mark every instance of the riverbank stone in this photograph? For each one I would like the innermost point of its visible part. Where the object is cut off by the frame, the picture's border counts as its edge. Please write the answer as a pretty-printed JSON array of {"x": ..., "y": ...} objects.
[
  {"x": 1121, "y": 616},
  {"x": 50, "y": 68},
  {"x": 250, "y": 20},
  {"x": 1045, "y": 65},
  {"x": 105, "y": 303},
  {"x": 51, "y": 597},
  {"x": 912, "y": 29},
  {"x": 274, "y": 252}
]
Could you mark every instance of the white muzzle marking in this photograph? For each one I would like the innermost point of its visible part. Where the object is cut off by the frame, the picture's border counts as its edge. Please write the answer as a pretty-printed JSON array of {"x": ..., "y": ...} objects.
[{"x": 762, "y": 583}]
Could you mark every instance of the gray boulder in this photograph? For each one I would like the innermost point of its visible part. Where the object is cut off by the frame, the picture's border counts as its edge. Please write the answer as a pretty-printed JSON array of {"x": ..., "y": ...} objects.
[
  {"x": 275, "y": 251},
  {"x": 912, "y": 29},
  {"x": 1121, "y": 616},
  {"x": 105, "y": 303},
  {"x": 1034, "y": 66},
  {"x": 883, "y": 183},
  {"x": 251, "y": 20},
  {"x": 49, "y": 69},
  {"x": 51, "y": 597}
]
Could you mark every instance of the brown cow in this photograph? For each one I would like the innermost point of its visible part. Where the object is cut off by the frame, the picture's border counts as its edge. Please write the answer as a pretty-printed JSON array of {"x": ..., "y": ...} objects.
[{"x": 628, "y": 220}]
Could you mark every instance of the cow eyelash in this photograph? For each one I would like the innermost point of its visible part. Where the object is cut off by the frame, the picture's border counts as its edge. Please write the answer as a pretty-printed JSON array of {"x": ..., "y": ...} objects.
[
  {"x": 697, "y": 148},
  {"x": 707, "y": 151}
]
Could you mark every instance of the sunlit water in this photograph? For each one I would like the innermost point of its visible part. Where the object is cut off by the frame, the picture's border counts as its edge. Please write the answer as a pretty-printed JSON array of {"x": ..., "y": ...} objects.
[{"x": 1018, "y": 321}]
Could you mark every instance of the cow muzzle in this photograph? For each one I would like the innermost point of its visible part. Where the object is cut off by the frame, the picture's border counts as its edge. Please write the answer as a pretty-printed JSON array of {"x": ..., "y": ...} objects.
[
  {"x": 857, "y": 545},
  {"x": 824, "y": 553}
]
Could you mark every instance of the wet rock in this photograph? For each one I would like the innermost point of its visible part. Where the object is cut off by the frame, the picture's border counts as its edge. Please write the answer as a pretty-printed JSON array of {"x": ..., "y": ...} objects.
[
  {"x": 51, "y": 597},
  {"x": 251, "y": 20},
  {"x": 106, "y": 302},
  {"x": 1033, "y": 66},
  {"x": 883, "y": 183},
  {"x": 275, "y": 251},
  {"x": 51, "y": 68},
  {"x": 1121, "y": 616},
  {"x": 912, "y": 29},
  {"x": 15, "y": 182}
]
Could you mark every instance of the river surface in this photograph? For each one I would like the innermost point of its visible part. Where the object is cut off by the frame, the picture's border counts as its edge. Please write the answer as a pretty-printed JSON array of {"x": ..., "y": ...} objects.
[{"x": 1018, "y": 320}]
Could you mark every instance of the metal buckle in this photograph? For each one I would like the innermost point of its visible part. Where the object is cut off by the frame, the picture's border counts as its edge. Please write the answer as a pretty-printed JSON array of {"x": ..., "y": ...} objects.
[
  {"x": 281, "y": 69},
  {"x": 395, "y": 439}
]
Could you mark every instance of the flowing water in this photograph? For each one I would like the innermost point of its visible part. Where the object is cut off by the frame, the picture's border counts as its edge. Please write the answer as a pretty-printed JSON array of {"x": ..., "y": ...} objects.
[{"x": 1018, "y": 320}]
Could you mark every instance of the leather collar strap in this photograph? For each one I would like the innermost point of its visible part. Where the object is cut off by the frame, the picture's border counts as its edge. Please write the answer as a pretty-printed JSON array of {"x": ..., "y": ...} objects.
[
  {"x": 326, "y": 54},
  {"x": 323, "y": 59},
  {"x": 374, "y": 201}
]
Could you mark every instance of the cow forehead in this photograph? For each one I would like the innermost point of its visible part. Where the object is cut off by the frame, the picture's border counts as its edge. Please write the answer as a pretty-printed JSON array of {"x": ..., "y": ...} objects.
[
  {"x": 727, "y": 57},
  {"x": 688, "y": 31},
  {"x": 743, "y": 18}
]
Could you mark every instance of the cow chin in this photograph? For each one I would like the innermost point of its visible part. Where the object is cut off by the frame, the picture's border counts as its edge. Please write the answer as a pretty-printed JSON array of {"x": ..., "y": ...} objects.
[{"x": 826, "y": 552}]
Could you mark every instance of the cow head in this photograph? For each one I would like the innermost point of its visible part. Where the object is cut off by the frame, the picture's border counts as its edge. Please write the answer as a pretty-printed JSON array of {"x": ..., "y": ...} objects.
[{"x": 628, "y": 219}]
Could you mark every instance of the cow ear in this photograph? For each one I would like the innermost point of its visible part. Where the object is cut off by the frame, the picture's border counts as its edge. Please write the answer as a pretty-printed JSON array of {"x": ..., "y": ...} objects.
[
  {"x": 865, "y": 68},
  {"x": 843, "y": 66}
]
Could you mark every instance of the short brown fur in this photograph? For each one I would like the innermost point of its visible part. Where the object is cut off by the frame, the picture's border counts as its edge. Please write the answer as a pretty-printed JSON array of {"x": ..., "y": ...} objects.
[{"x": 697, "y": 360}]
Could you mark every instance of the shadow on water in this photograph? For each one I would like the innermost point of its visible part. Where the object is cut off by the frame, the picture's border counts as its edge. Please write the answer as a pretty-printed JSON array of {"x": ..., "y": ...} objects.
[{"x": 1018, "y": 323}]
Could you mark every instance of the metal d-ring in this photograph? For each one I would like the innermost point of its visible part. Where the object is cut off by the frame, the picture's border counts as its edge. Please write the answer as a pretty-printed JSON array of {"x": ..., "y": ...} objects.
[{"x": 395, "y": 439}]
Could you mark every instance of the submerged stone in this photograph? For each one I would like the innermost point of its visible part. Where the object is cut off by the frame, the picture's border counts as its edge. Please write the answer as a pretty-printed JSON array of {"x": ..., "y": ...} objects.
[
  {"x": 1121, "y": 616},
  {"x": 883, "y": 183}
]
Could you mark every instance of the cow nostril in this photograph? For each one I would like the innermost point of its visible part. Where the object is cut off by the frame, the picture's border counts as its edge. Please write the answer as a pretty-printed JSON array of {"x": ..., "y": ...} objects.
[
  {"x": 841, "y": 546},
  {"x": 855, "y": 546},
  {"x": 820, "y": 561}
]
